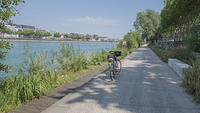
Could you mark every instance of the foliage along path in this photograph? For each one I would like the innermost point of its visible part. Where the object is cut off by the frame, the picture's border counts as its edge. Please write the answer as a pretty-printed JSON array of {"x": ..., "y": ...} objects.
[{"x": 146, "y": 85}]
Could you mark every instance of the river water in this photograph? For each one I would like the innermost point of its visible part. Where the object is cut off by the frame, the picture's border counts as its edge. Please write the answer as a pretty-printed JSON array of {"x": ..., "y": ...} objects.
[{"x": 16, "y": 54}]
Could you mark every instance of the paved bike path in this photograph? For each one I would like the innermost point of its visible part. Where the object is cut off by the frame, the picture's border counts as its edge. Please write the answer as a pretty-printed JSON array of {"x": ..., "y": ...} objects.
[{"x": 145, "y": 85}]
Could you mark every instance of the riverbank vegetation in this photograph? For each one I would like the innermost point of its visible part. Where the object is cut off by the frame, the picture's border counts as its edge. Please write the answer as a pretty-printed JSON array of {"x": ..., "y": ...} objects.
[{"x": 175, "y": 34}]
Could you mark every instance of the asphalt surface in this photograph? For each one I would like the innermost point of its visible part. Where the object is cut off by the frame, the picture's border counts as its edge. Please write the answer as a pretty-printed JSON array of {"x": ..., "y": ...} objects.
[{"x": 145, "y": 85}]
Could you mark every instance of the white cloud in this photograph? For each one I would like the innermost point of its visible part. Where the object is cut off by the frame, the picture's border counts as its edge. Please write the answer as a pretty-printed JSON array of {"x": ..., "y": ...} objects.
[{"x": 94, "y": 21}]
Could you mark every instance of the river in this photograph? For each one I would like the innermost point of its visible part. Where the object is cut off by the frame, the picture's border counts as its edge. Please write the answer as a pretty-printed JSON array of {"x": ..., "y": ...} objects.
[{"x": 16, "y": 54}]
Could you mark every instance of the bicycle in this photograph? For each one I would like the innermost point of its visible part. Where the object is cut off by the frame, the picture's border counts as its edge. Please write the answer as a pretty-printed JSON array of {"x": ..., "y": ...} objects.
[{"x": 114, "y": 64}]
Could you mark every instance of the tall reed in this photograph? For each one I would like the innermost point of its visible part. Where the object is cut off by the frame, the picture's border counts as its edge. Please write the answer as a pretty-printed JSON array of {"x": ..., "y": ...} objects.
[
  {"x": 70, "y": 59},
  {"x": 192, "y": 80}
]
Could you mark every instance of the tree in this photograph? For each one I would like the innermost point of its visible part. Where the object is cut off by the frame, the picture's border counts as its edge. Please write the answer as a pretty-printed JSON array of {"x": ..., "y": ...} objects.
[
  {"x": 38, "y": 33},
  {"x": 66, "y": 35},
  {"x": 179, "y": 12},
  {"x": 27, "y": 32},
  {"x": 194, "y": 36},
  {"x": 41, "y": 34},
  {"x": 7, "y": 10},
  {"x": 133, "y": 40},
  {"x": 147, "y": 22},
  {"x": 97, "y": 38},
  {"x": 5, "y": 30},
  {"x": 177, "y": 18},
  {"x": 57, "y": 35},
  {"x": 87, "y": 37},
  {"x": 46, "y": 34}
]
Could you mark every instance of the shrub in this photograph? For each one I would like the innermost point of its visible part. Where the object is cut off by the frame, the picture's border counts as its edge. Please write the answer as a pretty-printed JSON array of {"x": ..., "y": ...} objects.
[
  {"x": 192, "y": 80},
  {"x": 184, "y": 54},
  {"x": 180, "y": 53},
  {"x": 162, "y": 53}
]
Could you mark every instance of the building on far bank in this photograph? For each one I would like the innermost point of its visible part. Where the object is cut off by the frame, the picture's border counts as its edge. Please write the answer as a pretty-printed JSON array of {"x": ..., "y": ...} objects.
[
  {"x": 23, "y": 27},
  {"x": 10, "y": 35},
  {"x": 41, "y": 30},
  {"x": 104, "y": 39},
  {"x": 95, "y": 36},
  {"x": 62, "y": 36},
  {"x": 37, "y": 35},
  {"x": 13, "y": 28}
]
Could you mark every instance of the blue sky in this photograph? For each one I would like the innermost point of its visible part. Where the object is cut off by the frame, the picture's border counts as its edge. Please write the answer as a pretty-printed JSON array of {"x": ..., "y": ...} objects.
[{"x": 111, "y": 18}]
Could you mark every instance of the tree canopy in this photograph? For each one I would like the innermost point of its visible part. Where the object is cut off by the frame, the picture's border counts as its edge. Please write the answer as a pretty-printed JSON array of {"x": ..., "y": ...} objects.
[
  {"x": 6, "y": 30},
  {"x": 179, "y": 12},
  {"x": 46, "y": 34},
  {"x": 7, "y": 9},
  {"x": 41, "y": 34},
  {"x": 147, "y": 23},
  {"x": 28, "y": 32},
  {"x": 57, "y": 35}
]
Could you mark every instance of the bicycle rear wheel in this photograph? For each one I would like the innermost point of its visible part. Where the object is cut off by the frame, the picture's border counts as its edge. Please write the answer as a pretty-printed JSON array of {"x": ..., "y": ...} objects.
[
  {"x": 111, "y": 74},
  {"x": 118, "y": 67}
]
